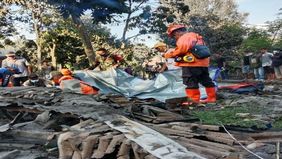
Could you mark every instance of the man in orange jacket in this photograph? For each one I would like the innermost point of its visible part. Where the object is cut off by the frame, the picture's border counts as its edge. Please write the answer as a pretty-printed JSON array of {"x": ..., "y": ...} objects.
[
  {"x": 65, "y": 81},
  {"x": 194, "y": 70}
]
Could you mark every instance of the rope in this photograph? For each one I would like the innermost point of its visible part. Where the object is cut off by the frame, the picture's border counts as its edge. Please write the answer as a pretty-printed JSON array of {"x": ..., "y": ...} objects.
[{"x": 240, "y": 143}]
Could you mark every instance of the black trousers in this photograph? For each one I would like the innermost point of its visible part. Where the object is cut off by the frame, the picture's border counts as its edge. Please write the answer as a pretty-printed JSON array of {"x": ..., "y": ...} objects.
[
  {"x": 18, "y": 81},
  {"x": 192, "y": 76}
]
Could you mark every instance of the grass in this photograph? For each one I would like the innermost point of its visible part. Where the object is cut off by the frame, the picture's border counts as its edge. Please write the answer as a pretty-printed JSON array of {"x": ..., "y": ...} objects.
[
  {"x": 227, "y": 116},
  {"x": 277, "y": 124}
]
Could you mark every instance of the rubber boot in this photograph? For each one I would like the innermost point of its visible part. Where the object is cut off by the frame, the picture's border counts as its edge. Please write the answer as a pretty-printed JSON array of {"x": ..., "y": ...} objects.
[
  {"x": 211, "y": 93},
  {"x": 193, "y": 96}
]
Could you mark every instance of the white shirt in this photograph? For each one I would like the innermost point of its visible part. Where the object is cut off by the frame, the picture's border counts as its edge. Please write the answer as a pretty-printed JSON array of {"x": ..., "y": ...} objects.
[
  {"x": 20, "y": 63},
  {"x": 266, "y": 59}
]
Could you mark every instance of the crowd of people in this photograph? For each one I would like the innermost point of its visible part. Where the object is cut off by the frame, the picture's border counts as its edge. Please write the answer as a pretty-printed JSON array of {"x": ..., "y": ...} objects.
[
  {"x": 17, "y": 71},
  {"x": 263, "y": 65}
]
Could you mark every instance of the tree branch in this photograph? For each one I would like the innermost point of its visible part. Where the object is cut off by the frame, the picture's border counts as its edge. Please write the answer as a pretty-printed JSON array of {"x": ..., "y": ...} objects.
[
  {"x": 134, "y": 36},
  {"x": 136, "y": 8}
]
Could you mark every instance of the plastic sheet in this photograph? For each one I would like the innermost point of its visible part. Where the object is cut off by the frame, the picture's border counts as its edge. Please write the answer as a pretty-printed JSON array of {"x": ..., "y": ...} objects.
[{"x": 166, "y": 85}]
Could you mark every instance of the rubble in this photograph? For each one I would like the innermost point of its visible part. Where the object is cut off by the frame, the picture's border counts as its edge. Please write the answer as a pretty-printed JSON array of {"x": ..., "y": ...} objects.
[{"x": 48, "y": 123}]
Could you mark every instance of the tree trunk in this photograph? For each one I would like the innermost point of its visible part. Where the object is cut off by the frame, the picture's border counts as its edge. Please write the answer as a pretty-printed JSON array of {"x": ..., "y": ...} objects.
[
  {"x": 127, "y": 22},
  {"x": 126, "y": 26},
  {"x": 85, "y": 39},
  {"x": 37, "y": 41},
  {"x": 53, "y": 56}
]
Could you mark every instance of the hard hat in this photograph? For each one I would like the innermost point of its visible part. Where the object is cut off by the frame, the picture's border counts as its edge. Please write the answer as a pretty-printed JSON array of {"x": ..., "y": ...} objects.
[
  {"x": 173, "y": 27},
  {"x": 159, "y": 44},
  {"x": 66, "y": 72}
]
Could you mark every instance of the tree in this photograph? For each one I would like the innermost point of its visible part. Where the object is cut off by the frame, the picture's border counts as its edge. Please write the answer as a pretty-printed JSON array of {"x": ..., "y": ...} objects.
[
  {"x": 6, "y": 27},
  {"x": 167, "y": 12},
  {"x": 62, "y": 44},
  {"x": 41, "y": 16},
  {"x": 102, "y": 11},
  {"x": 256, "y": 40},
  {"x": 275, "y": 27},
  {"x": 227, "y": 38},
  {"x": 137, "y": 12},
  {"x": 278, "y": 44}
]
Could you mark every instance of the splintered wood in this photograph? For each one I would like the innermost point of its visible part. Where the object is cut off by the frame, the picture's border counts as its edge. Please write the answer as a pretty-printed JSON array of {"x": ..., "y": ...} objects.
[
  {"x": 97, "y": 140},
  {"x": 48, "y": 123}
]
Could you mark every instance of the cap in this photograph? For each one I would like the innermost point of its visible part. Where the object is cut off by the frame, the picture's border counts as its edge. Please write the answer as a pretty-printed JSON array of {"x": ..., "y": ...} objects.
[
  {"x": 10, "y": 53},
  {"x": 53, "y": 74},
  {"x": 159, "y": 44}
]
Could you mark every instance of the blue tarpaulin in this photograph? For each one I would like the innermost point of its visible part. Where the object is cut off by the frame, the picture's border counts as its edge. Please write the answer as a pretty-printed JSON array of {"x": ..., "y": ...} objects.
[{"x": 166, "y": 85}]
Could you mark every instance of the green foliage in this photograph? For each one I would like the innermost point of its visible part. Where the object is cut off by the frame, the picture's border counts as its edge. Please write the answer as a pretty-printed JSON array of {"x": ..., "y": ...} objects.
[
  {"x": 227, "y": 38},
  {"x": 8, "y": 42},
  {"x": 227, "y": 116},
  {"x": 68, "y": 48},
  {"x": 256, "y": 40},
  {"x": 67, "y": 44},
  {"x": 275, "y": 27},
  {"x": 6, "y": 27},
  {"x": 278, "y": 44},
  {"x": 102, "y": 11},
  {"x": 277, "y": 124},
  {"x": 136, "y": 17}
]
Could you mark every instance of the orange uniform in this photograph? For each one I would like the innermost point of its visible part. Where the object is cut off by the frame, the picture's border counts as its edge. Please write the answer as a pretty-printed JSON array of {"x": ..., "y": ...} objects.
[
  {"x": 183, "y": 45},
  {"x": 72, "y": 83},
  {"x": 194, "y": 70}
]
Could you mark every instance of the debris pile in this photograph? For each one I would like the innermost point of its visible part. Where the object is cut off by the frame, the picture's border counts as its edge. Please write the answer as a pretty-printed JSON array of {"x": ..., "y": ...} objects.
[{"x": 48, "y": 123}]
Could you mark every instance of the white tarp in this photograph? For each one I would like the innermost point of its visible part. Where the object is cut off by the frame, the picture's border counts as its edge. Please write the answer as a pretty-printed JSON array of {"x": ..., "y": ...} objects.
[{"x": 166, "y": 85}]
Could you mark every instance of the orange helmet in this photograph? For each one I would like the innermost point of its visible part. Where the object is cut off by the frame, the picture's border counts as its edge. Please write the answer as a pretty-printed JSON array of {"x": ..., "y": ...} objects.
[
  {"x": 173, "y": 27},
  {"x": 66, "y": 72}
]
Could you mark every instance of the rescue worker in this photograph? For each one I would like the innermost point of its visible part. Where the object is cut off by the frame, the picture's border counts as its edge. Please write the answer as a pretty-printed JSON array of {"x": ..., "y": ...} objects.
[
  {"x": 195, "y": 70},
  {"x": 67, "y": 74},
  {"x": 104, "y": 60},
  {"x": 68, "y": 82},
  {"x": 169, "y": 63}
]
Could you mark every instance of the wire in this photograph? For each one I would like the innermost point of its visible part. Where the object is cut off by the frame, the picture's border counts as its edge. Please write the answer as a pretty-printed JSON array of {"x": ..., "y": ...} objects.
[{"x": 239, "y": 142}]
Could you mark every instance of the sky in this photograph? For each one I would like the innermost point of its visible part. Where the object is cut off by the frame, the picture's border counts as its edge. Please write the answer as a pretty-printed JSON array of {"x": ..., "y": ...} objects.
[{"x": 259, "y": 11}]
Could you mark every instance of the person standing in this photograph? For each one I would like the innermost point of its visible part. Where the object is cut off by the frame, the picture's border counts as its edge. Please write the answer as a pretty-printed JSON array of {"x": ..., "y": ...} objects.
[
  {"x": 266, "y": 60},
  {"x": 277, "y": 64},
  {"x": 194, "y": 70},
  {"x": 169, "y": 63},
  {"x": 104, "y": 60},
  {"x": 256, "y": 65},
  {"x": 246, "y": 64},
  {"x": 20, "y": 63},
  {"x": 221, "y": 64},
  {"x": 46, "y": 68}
]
